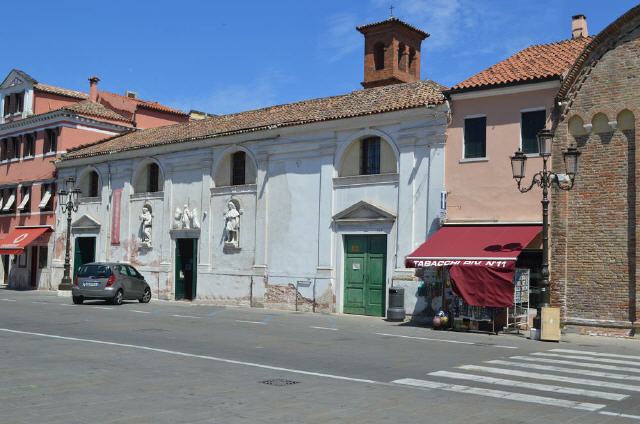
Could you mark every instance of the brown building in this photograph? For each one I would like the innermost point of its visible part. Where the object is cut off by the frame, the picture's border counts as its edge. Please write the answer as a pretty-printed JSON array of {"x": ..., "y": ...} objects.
[{"x": 594, "y": 230}]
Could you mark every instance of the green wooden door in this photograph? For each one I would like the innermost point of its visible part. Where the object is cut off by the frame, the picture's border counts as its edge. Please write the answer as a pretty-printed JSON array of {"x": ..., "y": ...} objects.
[
  {"x": 194, "y": 267},
  {"x": 84, "y": 252},
  {"x": 365, "y": 274},
  {"x": 186, "y": 268},
  {"x": 179, "y": 272}
]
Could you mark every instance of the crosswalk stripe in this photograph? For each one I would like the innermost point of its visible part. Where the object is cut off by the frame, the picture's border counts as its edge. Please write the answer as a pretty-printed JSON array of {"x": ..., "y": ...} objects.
[
  {"x": 587, "y": 358},
  {"x": 619, "y": 414},
  {"x": 521, "y": 397},
  {"x": 539, "y": 376},
  {"x": 529, "y": 385},
  {"x": 567, "y": 370},
  {"x": 584, "y": 352},
  {"x": 578, "y": 364}
]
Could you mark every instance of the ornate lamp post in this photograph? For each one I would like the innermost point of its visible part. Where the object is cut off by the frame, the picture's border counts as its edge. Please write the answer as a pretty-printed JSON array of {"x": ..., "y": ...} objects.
[
  {"x": 68, "y": 198},
  {"x": 545, "y": 179}
]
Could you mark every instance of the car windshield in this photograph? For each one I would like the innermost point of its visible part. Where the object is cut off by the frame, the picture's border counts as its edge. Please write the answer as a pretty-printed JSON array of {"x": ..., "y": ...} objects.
[{"x": 98, "y": 271}]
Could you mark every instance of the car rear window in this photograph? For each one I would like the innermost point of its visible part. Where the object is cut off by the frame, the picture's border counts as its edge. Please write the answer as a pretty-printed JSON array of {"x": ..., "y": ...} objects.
[{"x": 98, "y": 271}]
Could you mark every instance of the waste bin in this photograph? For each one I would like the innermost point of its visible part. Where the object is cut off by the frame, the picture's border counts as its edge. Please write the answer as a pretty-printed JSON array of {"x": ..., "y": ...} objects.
[{"x": 396, "y": 312}]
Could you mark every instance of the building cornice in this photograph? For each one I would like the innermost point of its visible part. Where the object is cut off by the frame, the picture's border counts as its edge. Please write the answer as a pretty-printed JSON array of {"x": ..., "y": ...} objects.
[
  {"x": 501, "y": 91},
  {"x": 40, "y": 120}
]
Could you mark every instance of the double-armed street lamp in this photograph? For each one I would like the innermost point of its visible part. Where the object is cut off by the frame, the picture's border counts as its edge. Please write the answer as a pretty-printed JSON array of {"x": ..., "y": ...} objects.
[
  {"x": 68, "y": 198},
  {"x": 545, "y": 179}
]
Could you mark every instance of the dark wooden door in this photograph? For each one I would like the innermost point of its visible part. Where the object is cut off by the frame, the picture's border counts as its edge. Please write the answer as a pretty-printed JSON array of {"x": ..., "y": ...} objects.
[
  {"x": 365, "y": 274},
  {"x": 33, "y": 275},
  {"x": 186, "y": 268},
  {"x": 84, "y": 252}
]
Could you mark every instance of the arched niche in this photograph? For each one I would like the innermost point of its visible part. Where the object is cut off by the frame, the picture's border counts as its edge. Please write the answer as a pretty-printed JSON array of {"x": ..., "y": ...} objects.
[
  {"x": 367, "y": 155},
  {"x": 148, "y": 177},
  {"x": 576, "y": 126},
  {"x": 600, "y": 123},
  {"x": 236, "y": 167},
  {"x": 626, "y": 120},
  {"x": 90, "y": 183}
]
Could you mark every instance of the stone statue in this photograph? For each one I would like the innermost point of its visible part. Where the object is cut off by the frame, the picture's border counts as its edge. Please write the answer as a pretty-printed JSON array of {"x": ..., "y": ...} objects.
[
  {"x": 232, "y": 224},
  {"x": 195, "y": 222},
  {"x": 185, "y": 219},
  {"x": 146, "y": 226}
]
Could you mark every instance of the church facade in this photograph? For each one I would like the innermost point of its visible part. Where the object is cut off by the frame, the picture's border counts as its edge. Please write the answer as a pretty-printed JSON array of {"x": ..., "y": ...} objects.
[{"x": 307, "y": 206}]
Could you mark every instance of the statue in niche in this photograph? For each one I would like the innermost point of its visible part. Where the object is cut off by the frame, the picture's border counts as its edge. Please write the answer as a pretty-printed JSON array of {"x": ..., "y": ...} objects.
[
  {"x": 185, "y": 219},
  {"x": 231, "y": 224},
  {"x": 146, "y": 225}
]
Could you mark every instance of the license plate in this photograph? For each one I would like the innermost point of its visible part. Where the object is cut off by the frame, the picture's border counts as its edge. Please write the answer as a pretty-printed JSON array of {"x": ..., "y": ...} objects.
[{"x": 90, "y": 284}]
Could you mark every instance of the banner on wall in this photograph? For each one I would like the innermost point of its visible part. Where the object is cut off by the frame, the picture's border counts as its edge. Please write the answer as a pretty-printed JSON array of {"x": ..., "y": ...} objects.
[{"x": 115, "y": 216}]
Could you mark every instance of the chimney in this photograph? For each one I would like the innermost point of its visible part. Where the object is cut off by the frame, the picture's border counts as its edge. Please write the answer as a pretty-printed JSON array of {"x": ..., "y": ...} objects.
[
  {"x": 93, "y": 88},
  {"x": 579, "y": 26}
]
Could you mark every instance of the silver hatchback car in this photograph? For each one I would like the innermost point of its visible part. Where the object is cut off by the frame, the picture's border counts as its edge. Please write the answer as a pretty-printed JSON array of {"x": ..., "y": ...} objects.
[{"x": 113, "y": 282}]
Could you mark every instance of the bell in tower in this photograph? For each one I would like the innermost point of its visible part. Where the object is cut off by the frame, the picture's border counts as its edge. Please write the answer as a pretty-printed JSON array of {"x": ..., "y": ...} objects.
[{"x": 391, "y": 52}]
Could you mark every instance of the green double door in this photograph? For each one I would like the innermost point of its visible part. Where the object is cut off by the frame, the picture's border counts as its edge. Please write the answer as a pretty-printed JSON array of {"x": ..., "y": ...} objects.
[
  {"x": 365, "y": 274},
  {"x": 84, "y": 252},
  {"x": 186, "y": 268}
]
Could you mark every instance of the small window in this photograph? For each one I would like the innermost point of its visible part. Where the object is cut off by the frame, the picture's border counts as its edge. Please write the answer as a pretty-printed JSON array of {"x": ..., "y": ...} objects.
[
  {"x": 4, "y": 149},
  {"x": 154, "y": 178},
  {"x": 47, "y": 191},
  {"x": 19, "y": 102},
  {"x": 43, "y": 257},
  {"x": 378, "y": 56},
  {"x": 51, "y": 140},
  {"x": 29, "y": 148},
  {"x": 238, "y": 168},
  {"x": 530, "y": 124},
  {"x": 370, "y": 156},
  {"x": 475, "y": 137},
  {"x": 15, "y": 147},
  {"x": 25, "y": 199},
  {"x": 9, "y": 200},
  {"x": 7, "y": 105}
]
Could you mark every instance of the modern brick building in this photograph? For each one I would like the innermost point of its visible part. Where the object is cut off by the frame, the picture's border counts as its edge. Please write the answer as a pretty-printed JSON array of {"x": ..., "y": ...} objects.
[
  {"x": 594, "y": 230},
  {"x": 39, "y": 123}
]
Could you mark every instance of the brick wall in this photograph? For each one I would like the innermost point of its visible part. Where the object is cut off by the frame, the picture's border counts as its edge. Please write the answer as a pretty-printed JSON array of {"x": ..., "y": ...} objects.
[{"x": 594, "y": 226}]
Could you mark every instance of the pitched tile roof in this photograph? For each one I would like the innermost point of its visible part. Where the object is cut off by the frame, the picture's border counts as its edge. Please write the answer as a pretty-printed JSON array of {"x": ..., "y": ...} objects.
[
  {"x": 94, "y": 109},
  {"x": 357, "y": 103},
  {"x": 535, "y": 63},
  {"x": 390, "y": 20},
  {"x": 145, "y": 104},
  {"x": 61, "y": 91}
]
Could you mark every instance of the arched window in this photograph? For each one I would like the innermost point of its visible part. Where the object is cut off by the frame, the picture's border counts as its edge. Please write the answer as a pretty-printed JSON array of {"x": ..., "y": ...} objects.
[
  {"x": 235, "y": 169},
  {"x": 378, "y": 56},
  {"x": 402, "y": 57},
  {"x": 576, "y": 126},
  {"x": 626, "y": 120},
  {"x": 412, "y": 57},
  {"x": 90, "y": 184},
  {"x": 149, "y": 179},
  {"x": 368, "y": 156},
  {"x": 600, "y": 123}
]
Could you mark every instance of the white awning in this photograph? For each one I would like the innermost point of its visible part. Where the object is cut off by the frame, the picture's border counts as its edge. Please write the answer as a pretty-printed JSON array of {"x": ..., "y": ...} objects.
[
  {"x": 25, "y": 199},
  {"x": 9, "y": 203},
  {"x": 1, "y": 202},
  {"x": 45, "y": 199}
]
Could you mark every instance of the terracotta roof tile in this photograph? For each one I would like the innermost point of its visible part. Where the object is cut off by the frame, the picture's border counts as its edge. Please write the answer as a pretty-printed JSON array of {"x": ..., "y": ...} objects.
[
  {"x": 389, "y": 20},
  {"x": 538, "y": 62},
  {"x": 61, "y": 91},
  {"x": 358, "y": 103},
  {"x": 147, "y": 104},
  {"x": 90, "y": 108}
]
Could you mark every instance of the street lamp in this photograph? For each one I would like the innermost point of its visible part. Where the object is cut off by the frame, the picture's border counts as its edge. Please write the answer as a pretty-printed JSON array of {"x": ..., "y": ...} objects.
[
  {"x": 68, "y": 198},
  {"x": 545, "y": 179}
]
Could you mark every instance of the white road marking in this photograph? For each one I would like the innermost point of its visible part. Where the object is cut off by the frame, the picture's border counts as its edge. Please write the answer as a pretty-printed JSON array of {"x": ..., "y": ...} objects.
[
  {"x": 554, "y": 377},
  {"x": 251, "y": 322},
  {"x": 587, "y": 358},
  {"x": 567, "y": 370},
  {"x": 184, "y": 316},
  {"x": 191, "y": 355},
  {"x": 612, "y": 355},
  {"x": 505, "y": 347},
  {"x": 9, "y": 300},
  {"x": 619, "y": 414},
  {"x": 40, "y": 303},
  {"x": 324, "y": 328},
  {"x": 140, "y": 312},
  {"x": 103, "y": 307},
  {"x": 578, "y": 364},
  {"x": 529, "y": 385},
  {"x": 520, "y": 397},
  {"x": 65, "y": 304},
  {"x": 425, "y": 338}
]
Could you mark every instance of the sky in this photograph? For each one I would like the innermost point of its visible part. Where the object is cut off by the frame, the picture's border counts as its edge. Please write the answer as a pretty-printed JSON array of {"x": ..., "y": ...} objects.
[{"x": 228, "y": 56}]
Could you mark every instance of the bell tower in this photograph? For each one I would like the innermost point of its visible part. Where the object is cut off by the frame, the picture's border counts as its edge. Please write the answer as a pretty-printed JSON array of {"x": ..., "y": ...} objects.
[{"x": 391, "y": 52}]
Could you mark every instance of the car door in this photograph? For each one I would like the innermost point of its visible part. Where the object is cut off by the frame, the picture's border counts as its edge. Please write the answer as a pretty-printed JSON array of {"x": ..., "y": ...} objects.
[
  {"x": 125, "y": 281},
  {"x": 137, "y": 280}
]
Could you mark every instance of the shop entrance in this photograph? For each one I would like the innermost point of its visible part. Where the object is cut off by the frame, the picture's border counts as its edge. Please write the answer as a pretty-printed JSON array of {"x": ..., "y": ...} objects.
[
  {"x": 33, "y": 275},
  {"x": 84, "y": 252},
  {"x": 186, "y": 268},
  {"x": 365, "y": 262},
  {"x": 5, "y": 269}
]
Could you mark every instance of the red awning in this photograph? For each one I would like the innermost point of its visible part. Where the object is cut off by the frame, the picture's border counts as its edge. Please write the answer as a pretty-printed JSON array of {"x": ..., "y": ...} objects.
[
  {"x": 19, "y": 238},
  {"x": 481, "y": 259},
  {"x": 468, "y": 245}
]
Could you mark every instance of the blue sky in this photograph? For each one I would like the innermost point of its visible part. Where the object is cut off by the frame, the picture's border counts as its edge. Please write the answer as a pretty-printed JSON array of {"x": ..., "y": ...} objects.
[{"x": 228, "y": 56}]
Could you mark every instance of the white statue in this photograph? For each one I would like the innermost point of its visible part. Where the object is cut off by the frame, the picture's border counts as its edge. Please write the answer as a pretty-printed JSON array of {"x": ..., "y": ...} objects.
[
  {"x": 195, "y": 222},
  {"x": 146, "y": 226},
  {"x": 232, "y": 224},
  {"x": 186, "y": 219}
]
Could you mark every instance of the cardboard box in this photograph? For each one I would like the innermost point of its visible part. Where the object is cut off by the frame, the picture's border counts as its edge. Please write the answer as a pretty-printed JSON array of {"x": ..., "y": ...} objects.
[{"x": 550, "y": 324}]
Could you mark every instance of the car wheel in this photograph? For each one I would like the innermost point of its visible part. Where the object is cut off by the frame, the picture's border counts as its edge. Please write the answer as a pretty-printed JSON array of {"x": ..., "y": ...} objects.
[
  {"x": 146, "y": 297},
  {"x": 77, "y": 300},
  {"x": 117, "y": 299}
]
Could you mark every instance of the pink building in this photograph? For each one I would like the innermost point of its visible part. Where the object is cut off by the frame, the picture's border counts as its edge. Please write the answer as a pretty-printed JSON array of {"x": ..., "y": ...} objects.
[{"x": 39, "y": 123}]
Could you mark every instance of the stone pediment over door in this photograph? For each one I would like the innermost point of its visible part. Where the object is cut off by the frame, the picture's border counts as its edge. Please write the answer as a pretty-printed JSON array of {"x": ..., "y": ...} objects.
[
  {"x": 362, "y": 213},
  {"x": 86, "y": 223}
]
